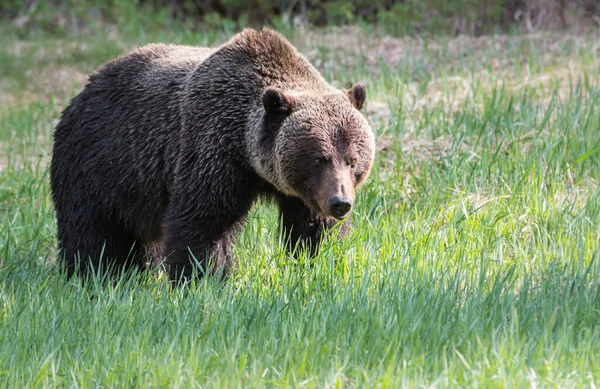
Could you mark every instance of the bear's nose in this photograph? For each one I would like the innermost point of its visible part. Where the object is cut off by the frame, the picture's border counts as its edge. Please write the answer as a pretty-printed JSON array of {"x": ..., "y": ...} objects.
[{"x": 340, "y": 206}]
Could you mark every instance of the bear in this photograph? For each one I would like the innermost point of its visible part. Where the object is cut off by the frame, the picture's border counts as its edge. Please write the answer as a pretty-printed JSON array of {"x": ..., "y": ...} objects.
[{"x": 167, "y": 148}]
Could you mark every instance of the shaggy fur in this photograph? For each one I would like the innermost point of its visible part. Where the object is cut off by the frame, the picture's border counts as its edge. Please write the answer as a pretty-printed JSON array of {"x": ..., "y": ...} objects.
[{"x": 166, "y": 149}]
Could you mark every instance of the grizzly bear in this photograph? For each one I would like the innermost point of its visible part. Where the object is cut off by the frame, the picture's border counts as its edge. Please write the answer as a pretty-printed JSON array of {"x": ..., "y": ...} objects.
[{"x": 167, "y": 148}]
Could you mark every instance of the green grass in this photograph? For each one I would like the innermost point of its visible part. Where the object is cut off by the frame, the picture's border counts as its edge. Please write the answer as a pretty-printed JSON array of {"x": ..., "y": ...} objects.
[{"x": 473, "y": 261}]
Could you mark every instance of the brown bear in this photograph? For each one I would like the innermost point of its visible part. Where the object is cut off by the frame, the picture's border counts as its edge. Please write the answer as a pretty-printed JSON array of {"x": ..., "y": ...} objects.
[{"x": 167, "y": 148}]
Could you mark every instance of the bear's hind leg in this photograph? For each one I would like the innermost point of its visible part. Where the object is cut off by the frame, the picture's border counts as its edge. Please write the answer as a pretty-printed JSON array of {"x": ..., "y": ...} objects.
[{"x": 94, "y": 244}]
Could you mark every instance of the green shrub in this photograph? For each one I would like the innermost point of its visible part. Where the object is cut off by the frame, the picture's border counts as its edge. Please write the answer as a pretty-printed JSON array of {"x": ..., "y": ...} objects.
[{"x": 395, "y": 16}]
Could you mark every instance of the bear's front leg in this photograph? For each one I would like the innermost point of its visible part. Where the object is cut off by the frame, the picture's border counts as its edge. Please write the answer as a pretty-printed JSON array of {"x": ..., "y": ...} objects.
[
  {"x": 202, "y": 219},
  {"x": 304, "y": 228},
  {"x": 201, "y": 247}
]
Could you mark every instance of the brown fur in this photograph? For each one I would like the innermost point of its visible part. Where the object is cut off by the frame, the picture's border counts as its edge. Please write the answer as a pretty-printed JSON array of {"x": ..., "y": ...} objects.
[{"x": 170, "y": 146}]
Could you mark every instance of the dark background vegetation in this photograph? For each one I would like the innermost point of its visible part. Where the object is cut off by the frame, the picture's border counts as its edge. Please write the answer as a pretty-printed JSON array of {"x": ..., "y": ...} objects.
[{"x": 415, "y": 17}]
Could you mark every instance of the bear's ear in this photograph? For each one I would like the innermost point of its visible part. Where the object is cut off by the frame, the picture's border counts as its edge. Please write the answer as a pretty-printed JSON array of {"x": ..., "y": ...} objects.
[
  {"x": 357, "y": 95},
  {"x": 277, "y": 102}
]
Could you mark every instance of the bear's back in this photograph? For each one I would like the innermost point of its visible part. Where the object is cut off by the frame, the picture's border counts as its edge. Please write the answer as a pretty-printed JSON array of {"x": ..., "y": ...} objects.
[
  {"x": 151, "y": 65},
  {"x": 172, "y": 56}
]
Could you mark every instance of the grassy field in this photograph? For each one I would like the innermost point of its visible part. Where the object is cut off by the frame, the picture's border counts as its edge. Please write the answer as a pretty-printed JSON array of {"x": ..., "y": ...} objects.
[{"x": 473, "y": 261}]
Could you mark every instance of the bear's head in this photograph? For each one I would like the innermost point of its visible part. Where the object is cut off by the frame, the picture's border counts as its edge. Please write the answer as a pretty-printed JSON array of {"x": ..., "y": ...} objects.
[{"x": 321, "y": 146}]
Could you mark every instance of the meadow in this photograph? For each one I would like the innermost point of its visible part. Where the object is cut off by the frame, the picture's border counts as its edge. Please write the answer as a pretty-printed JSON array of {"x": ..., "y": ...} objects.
[{"x": 473, "y": 261}]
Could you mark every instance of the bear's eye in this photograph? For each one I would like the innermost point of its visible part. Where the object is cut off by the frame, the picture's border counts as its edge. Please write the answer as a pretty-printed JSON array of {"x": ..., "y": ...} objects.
[
  {"x": 352, "y": 163},
  {"x": 319, "y": 161}
]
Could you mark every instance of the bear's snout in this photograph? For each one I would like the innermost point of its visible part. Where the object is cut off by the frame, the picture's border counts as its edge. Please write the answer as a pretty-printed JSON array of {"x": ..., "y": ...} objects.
[
  {"x": 340, "y": 206},
  {"x": 334, "y": 191}
]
